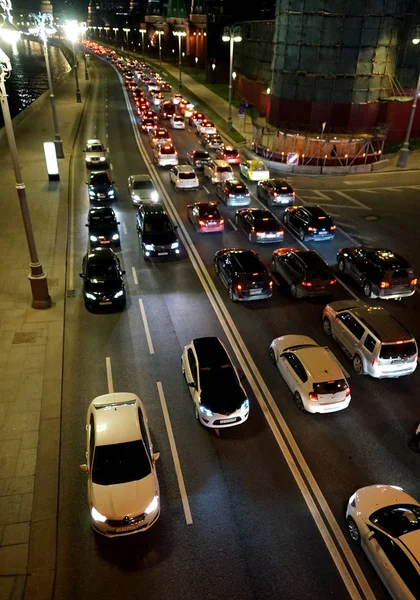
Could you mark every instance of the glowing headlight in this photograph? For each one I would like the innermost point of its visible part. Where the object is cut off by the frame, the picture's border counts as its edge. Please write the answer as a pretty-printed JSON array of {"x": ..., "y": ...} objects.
[
  {"x": 119, "y": 294},
  {"x": 152, "y": 506},
  {"x": 174, "y": 245},
  {"x": 111, "y": 193},
  {"x": 115, "y": 236},
  {"x": 92, "y": 193},
  {"x": 96, "y": 516},
  {"x": 90, "y": 296},
  {"x": 102, "y": 159},
  {"x": 206, "y": 411},
  {"x": 245, "y": 405},
  {"x": 154, "y": 196},
  {"x": 93, "y": 238},
  {"x": 149, "y": 247},
  {"x": 135, "y": 197}
]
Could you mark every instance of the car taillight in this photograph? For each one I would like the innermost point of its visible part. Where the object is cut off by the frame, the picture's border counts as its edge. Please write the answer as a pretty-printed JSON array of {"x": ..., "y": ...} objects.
[
  {"x": 201, "y": 223},
  {"x": 311, "y": 229},
  {"x": 333, "y": 227},
  {"x": 347, "y": 391},
  {"x": 313, "y": 396},
  {"x": 306, "y": 283},
  {"x": 293, "y": 193},
  {"x": 333, "y": 281},
  {"x": 239, "y": 287},
  {"x": 230, "y": 195},
  {"x": 375, "y": 362},
  {"x": 384, "y": 284},
  {"x": 413, "y": 282},
  {"x": 270, "y": 284},
  {"x": 274, "y": 194},
  {"x": 221, "y": 221},
  {"x": 178, "y": 181}
]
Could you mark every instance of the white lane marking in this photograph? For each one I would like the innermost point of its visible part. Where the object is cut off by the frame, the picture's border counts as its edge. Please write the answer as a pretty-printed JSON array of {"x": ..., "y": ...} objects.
[
  {"x": 313, "y": 198},
  {"x": 204, "y": 188},
  {"x": 175, "y": 457},
  {"x": 281, "y": 432},
  {"x": 72, "y": 233},
  {"x": 322, "y": 195},
  {"x": 146, "y": 327},
  {"x": 124, "y": 228},
  {"x": 109, "y": 375},
  {"x": 342, "y": 206},
  {"x": 356, "y": 202},
  {"x": 233, "y": 224},
  {"x": 359, "y": 182},
  {"x": 393, "y": 189},
  {"x": 136, "y": 281}
]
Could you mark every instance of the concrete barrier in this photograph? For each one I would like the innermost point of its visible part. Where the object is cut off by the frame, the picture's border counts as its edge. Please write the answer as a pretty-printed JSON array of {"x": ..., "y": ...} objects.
[
  {"x": 307, "y": 170},
  {"x": 335, "y": 170},
  {"x": 360, "y": 169},
  {"x": 381, "y": 164}
]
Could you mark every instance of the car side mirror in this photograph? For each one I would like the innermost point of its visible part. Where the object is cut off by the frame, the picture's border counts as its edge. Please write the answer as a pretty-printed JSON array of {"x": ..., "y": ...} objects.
[
  {"x": 84, "y": 468},
  {"x": 156, "y": 456},
  {"x": 192, "y": 385},
  {"x": 123, "y": 272},
  {"x": 86, "y": 224},
  {"x": 118, "y": 223},
  {"x": 81, "y": 275}
]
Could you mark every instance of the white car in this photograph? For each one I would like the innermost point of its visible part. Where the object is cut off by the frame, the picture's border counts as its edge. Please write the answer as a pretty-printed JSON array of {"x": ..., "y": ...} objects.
[
  {"x": 95, "y": 154},
  {"x": 385, "y": 521},
  {"x": 183, "y": 177},
  {"x": 123, "y": 488},
  {"x": 178, "y": 122},
  {"x": 165, "y": 155},
  {"x": 176, "y": 98},
  {"x": 312, "y": 374},
  {"x": 206, "y": 128},
  {"x": 142, "y": 189},
  {"x": 216, "y": 391}
]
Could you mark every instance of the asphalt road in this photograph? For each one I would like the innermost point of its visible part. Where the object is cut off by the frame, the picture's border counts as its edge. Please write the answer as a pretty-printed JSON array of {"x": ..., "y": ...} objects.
[{"x": 257, "y": 531}]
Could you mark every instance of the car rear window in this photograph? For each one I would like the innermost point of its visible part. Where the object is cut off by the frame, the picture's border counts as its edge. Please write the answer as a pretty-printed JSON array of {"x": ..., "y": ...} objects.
[
  {"x": 100, "y": 178},
  {"x": 167, "y": 150},
  {"x": 190, "y": 175},
  {"x": 232, "y": 152},
  {"x": 95, "y": 148},
  {"x": 266, "y": 224},
  {"x": 249, "y": 262},
  {"x": 330, "y": 387},
  {"x": 224, "y": 170},
  {"x": 321, "y": 221},
  {"x": 209, "y": 213},
  {"x": 395, "y": 351},
  {"x": 201, "y": 155},
  {"x": 397, "y": 274},
  {"x": 320, "y": 274}
]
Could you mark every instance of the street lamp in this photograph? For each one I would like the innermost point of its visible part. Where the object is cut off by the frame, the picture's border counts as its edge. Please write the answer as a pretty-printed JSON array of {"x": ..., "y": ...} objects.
[
  {"x": 180, "y": 35},
  {"x": 403, "y": 155},
  {"x": 37, "y": 277},
  {"x": 72, "y": 33},
  {"x": 106, "y": 32},
  {"x": 143, "y": 33},
  {"x": 126, "y": 31},
  {"x": 160, "y": 32},
  {"x": 231, "y": 35},
  {"x": 43, "y": 20},
  {"x": 115, "y": 30}
]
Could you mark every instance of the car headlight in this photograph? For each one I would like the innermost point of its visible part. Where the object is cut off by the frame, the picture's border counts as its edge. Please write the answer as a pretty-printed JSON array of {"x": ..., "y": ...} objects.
[
  {"x": 154, "y": 196},
  {"x": 352, "y": 500},
  {"x": 91, "y": 193},
  {"x": 102, "y": 158},
  {"x": 90, "y": 296},
  {"x": 111, "y": 193},
  {"x": 152, "y": 506},
  {"x": 174, "y": 245},
  {"x": 149, "y": 247},
  {"x": 119, "y": 294},
  {"x": 135, "y": 197},
  {"x": 245, "y": 405},
  {"x": 206, "y": 411},
  {"x": 87, "y": 158},
  {"x": 115, "y": 236},
  {"x": 96, "y": 516},
  {"x": 93, "y": 238}
]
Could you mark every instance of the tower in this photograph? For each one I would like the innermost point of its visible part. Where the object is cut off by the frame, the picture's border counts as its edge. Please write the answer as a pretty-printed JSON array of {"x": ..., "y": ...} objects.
[
  {"x": 176, "y": 9},
  {"x": 153, "y": 8}
]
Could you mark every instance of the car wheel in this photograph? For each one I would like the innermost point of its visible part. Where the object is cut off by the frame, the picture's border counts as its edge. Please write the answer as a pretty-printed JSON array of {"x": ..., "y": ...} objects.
[
  {"x": 294, "y": 291},
  {"x": 273, "y": 266},
  {"x": 285, "y": 218},
  {"x": 358, "y": 364},
  {"x": 299, "y": 401},
  {"x": 231, "y": 294},
  {"x": 326, "y": 326},
  {"x": 272, "y": 356},
  {"x": 367, "y": 289},
  {"x": 353, "y": 530},
  {"x": 302, "y": 235},
  {"x": 341, "y": 265}
]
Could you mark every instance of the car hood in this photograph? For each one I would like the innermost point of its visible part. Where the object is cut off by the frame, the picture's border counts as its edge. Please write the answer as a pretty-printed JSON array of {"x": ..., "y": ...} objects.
[
  {"x": 160, "y": 239},
  {"x": 103, "y": 286},
  {"x": 223, "y": 399},
  {"x": 373, "y": 497},
  {"x": 94, "y": 154},
  {"x": 106, "y": 231},
  {"x": 412, "y": 541},
  {"x": 100, "y": 188},
  {"x": 124, "y": 499}
]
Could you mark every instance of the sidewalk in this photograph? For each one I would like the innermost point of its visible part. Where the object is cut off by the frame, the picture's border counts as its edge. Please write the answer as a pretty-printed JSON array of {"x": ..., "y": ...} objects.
[{"x": 31, "y": 348}]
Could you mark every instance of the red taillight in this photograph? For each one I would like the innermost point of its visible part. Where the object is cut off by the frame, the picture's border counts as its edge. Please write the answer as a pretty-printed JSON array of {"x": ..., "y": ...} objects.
[
  {"x": 375, "y": 362},
  {"x": 239, "y": 287},
  {"x": 293, "y": 193},
  {"x": 306, "y": 283},
  {"x": 221, "y": 221},
  {"x": 333, "y": 227},
  {"x": 201, "y": 222},
  {"x": 313, "y": 396},
  {"x": 413, "y": 282},
  {"x": 384, "y": 284},
  {"x": 270, "y": 284},
  {"x": 347, "y": 392},
  {"x": 311, "y": 229},
  {"x": 333, "y": 281},
  {"x": 275, "y": 194}
]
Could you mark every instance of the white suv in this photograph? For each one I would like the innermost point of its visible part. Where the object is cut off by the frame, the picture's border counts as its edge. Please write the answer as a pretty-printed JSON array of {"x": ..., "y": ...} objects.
[
  {"x": 95, "y": 154},
  {"x": 218, "y": 170},
  {"x": 165, "y": 155}
]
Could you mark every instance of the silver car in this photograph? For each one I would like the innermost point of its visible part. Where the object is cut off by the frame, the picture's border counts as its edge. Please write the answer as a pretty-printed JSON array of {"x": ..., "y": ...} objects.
[
  {"x": 142, "y": 189},
  {"x": 377, "y": 343},
  {"x": 96, "y": 154}
]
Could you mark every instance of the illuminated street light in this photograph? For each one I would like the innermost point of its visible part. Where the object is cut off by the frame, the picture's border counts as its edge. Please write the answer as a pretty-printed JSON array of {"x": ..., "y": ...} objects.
[
  {"x": 72, "y": 32},
  {"x": 106, "y": 32},
  {"x": 416, "y": 41},
  {"x": 231, "y": 35},
  {"x": 160, "y": 32},
  {"x": 234, "y": 75},
  {"x": 126, "y": 31},
  {"x": 180, "y": 35},
  {"x": 37, "y": 277},
  {"x": 268, "y": 91},
  {"x": 143, "y": 33}
]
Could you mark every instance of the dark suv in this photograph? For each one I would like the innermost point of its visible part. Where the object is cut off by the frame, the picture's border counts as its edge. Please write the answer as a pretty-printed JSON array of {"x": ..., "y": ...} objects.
[
  {"x": 156, "y": 231},
  {"x": 243, "y": 274},
  {"x": 103, "y": 227},
  {"x": 380, "y": 272},
  {"x": 306, "y": 273},
  {"x": 309, "y": 222},
  {"x": 275, "y": 192}
]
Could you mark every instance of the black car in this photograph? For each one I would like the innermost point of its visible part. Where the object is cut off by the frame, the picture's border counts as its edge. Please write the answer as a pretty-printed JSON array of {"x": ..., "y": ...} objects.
[
  {"x": 156, "y": 231},
  {"x": 260, "y": 225},
  {"x": 103, "y": 227},
  {"x": 198, "y": 158},
  {"x": 103, "y": 284},
  {"x": 306, "y": 273},
  {"x": 275, "y": 192},
  {"x": 167, "y": 109},
  {"x": 310, "y": 222},
  {"x": 244, "y": 274},
  {"x": 100, "y": 187},
  {"x": 380, "y": 272},
  {"x": 233, "y": 193}
]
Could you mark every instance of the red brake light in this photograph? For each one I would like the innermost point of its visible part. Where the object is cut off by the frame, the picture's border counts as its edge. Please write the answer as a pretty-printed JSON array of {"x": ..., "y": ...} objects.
[
  {"x": 413, "y": 282},
  {"x": 307, "y": 283},
  {"x": 313, "y": 396},
  {"x": 375, "y": 362},
  {"x": 201, "y": 222},
  {"x": 221, "y": 221},
  {"x": 384, "y": 284},
  {"x": 333, "y": 281},
  {"x": 311, "y": 229},
  {"x": 333, "y": 227},
  {"x": 270, "y": 284},
  {"x": 293, "y": 193},
  {"x": 239, "y": 287},
  {"x": 347, "y": 391}
]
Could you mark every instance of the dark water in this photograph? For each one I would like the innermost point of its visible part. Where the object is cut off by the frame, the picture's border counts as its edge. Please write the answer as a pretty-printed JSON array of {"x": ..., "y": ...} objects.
[{"x": 28, "y": 79}]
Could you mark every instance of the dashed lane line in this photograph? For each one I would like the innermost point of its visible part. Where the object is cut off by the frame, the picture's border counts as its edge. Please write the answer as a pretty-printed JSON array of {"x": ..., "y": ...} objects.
[
  {"x": 133, "y": 270},
  {"x": 109, "y": 375},
  {"x": 146, "y": 327},
  {"x": 233, "y": 224}
]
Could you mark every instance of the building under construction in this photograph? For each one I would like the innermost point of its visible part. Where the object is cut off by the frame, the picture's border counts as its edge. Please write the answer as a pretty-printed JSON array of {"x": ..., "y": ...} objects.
[{"x": 348, "y": 64}]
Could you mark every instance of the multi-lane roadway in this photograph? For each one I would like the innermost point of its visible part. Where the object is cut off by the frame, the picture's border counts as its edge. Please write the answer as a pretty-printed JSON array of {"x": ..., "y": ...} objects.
[{"x": 255, "y": 511}]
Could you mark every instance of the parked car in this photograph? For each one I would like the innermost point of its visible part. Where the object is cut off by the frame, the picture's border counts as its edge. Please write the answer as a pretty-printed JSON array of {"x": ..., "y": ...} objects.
[
  {"x": 254, "y": 170},
  {"x": 103, "y": 227},
  {"x": 103, "y": 283},
  {"x": 379, "y": 272},
  {"x": 275, "y": 192},
  {"x": 309, "y": 223},
  {"x": 243, "y": 273},
  {"x": 206, "y": 217},
  {"x": 260, "y": 225},
  {"x": 183, "y": 177},
  {"x": 305, "y": 271}
]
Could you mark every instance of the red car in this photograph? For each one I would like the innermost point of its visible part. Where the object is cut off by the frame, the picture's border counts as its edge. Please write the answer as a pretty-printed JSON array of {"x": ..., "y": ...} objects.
[
  {"x": 150, "y": 114},
  {"x": 229, "y": 154},
  {"x": 206, "y": 217}
]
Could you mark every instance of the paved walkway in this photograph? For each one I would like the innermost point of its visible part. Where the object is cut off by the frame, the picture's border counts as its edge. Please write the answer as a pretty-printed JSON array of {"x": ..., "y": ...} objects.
[{"x": 31, "y": 347}]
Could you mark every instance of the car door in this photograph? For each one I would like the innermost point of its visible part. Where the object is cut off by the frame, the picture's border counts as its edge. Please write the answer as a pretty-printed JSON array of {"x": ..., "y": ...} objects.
[
  {"x": 172, "y": 174},
  {"x": 244, "y": 168},
  {"x": 378, "y": 546},
  {"x": 226, "y": 270},
  {"x": 348, "y": 332},
  {"x": 292, "y": 270},
  {"x": 357, "y": 266},
  {"x": 192, "y": 376},
  {"x": 291, "y": 369},
  {"x": 246, "y": 222}
]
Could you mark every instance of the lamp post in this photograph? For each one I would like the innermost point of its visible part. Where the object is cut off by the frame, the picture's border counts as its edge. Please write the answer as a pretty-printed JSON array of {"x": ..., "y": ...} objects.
[
  {"x": 106, "y": 32},
  {"x": 143, "y": 33},
  {"x": 37, "y": 277},
  {"x": 231, "y": 35},
  {"x": 126, "y": 31},
  {"x": 72, "y": 31},
  {"x": 100, "y": 32},
  {"x": 160, "y": 32},
  {"x": 180, "y": 35}
]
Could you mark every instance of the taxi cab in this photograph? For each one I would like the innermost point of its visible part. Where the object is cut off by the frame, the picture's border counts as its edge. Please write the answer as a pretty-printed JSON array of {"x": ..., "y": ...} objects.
[{"x": 254, "y": 170}]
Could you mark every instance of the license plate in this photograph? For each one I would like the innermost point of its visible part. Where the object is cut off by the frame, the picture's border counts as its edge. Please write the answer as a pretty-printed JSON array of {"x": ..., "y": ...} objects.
[
  {"x": 162, "y": 254},
  {"x": 105, "y": 242},
  {"x": 101, "y": 196},
  {"x": 211, "y": 223},
  {"x": 322, "y": 232},
  {"x": 105, "y": 303},
  {"x": 127, "y": 528},
  {"x": 253, "y": 292},
  {"x": 285, "y": 201},
  {"x": 227, "y": 420},
  {"x": 271, "y": 235}
]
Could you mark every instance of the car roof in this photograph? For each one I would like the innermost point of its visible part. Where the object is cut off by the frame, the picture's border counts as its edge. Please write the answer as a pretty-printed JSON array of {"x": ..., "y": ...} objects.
[
  {"x": 210, "y": 351},
  {"x": 233, "y": 182},
  {"x": 101, "y": 210},
  {"x": 185, "y": 169},
  {"x": 101, "y": 255},
  {"x": 116, "y": 418},
  {"x": 386, "y": 258},
  {"x": 319, "y": 363},
  {"x": 94, "y": 142},
  {"x": 93, "y": 173},
  {"x": 260, "y": 213},
  {"x": 311, "y": 259},
  {"x": 382, "y": 324},
  {"x": 141, "y": 177},
  {"x": 257, "y": 163},
  {"x": 152, "y": 208},
  {"x": 315, "y": 210}
]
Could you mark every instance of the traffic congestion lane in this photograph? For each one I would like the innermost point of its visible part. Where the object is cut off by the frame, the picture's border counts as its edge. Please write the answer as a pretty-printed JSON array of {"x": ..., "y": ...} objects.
[{"x": 90, "y": 339}]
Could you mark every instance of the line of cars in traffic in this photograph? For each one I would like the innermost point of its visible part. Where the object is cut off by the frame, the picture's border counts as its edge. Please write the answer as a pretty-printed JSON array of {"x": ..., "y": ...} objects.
[{"x": 383, "y": 519}]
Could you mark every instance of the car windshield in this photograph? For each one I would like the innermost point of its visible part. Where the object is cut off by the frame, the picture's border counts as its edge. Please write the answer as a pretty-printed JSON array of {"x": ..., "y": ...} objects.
[
  {"x": 157, "y": 224},
  {"x": 249, "y": 262},
  {"x": 180, "y": 119},
  {"x": 120, "y": 463},
  {"x": 143, "y": 185},
  {"x": 102, "y": 220},
  {"x": 398, "y": 351},
  {"x": 167, "y": 150},
  {"x": 99, "y": 178},
  {"x": 102, "y": 270},
  {"x": 231, "y": 152},
  {"x": 266, "y": 224},
  {"x": 95, "y": 148},
  {"x": 258, "y": 167},
  {"x": 397, "y": 520},
  {"x": 330, "y": 387},
  {"x": 223, "y": 376}
]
